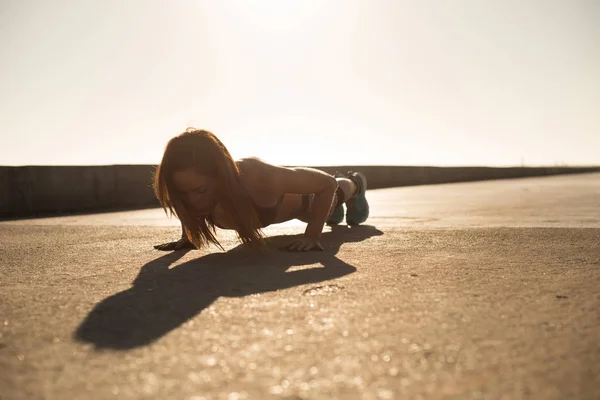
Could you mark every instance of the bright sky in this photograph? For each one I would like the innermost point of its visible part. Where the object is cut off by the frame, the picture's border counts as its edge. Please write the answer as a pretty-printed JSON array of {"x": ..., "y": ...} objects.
[{"x": 311, "y": 82}]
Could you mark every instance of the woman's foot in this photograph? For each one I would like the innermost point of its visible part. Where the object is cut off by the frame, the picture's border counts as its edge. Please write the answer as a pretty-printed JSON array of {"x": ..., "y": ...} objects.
[
  {"x": 337, "y": 216},
  {"x": 357, "y": 207}
]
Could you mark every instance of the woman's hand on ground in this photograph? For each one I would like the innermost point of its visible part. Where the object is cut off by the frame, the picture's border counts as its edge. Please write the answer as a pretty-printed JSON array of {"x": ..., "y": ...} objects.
[
  {"x": 178, "y": 245},
  {"x": 303, "y": 244}
]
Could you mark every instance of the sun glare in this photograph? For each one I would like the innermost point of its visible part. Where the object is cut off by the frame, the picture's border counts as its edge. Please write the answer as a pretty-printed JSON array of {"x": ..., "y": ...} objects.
[{"x": 277, "y": 15}]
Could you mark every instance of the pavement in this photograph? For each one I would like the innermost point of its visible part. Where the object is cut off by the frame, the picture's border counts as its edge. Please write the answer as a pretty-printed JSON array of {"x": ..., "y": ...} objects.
[{"x": 482, "y": 290}]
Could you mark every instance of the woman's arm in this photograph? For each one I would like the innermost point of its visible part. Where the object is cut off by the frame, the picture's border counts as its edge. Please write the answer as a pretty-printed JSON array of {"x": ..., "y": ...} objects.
[
  {"x": 303, "y": 181},
  {"x": 309, "y": 181}
]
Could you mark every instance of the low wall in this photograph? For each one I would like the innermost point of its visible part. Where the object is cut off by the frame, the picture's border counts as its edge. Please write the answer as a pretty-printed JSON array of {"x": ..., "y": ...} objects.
[
  {"x": 392, "y": 176},
  {"x": 41, "y": 190},
  {"x": 46, "y": 190}
]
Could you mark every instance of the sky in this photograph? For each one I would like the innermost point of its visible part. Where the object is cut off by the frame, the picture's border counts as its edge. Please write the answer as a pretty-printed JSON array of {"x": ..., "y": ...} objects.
[{"x": 312, "y": 82}]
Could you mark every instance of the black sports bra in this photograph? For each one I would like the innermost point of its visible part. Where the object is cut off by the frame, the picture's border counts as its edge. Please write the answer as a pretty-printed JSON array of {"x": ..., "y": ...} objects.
[{"x": 266, "y": 215}]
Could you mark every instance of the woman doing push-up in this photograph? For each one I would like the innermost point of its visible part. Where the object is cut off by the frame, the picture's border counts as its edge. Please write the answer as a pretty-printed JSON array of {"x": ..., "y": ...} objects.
[{"x": 199, "y": 182}]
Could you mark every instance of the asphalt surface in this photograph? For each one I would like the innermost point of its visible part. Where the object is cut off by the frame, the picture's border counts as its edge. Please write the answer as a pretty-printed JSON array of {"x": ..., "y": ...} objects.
[{"x": 484, "y": 290}]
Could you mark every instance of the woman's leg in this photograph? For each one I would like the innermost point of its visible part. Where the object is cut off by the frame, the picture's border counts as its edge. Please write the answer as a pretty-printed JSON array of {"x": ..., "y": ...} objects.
[
  {"x": 348, "y": 188},
  {"x": 357, "y": 206},
  {"x": 347, "y": 193}
]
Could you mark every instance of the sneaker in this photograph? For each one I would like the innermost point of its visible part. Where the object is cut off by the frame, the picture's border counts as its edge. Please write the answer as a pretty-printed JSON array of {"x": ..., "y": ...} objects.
[
  {"x": 337, "y": 215},
  {"x": 357, "y": 207}
]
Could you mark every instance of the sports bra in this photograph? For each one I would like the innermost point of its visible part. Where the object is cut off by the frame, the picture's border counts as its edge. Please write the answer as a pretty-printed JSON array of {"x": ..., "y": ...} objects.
[{"x": 266, "y": 215}]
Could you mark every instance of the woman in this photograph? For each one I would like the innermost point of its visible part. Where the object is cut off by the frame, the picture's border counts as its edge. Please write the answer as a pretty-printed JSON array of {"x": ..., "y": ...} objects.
[{"x": 199, "y": 182}]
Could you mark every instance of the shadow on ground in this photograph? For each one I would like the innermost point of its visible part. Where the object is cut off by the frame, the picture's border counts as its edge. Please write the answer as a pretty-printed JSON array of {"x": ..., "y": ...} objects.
[{"x": 163, "y": 298}]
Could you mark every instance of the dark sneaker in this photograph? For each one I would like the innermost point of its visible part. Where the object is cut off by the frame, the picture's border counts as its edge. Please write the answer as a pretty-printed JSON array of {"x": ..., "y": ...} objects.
[
  {"x": 337, "y": 215},
  {"x": 357, "y": 207}
]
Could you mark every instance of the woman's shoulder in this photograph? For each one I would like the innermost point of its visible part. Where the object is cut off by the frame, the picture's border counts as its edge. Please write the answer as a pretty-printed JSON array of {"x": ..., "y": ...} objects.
[
  {"x": 252, "y": 162},
  {"x": 256, "y": 173},
  {"x": 254, "y": 167}
]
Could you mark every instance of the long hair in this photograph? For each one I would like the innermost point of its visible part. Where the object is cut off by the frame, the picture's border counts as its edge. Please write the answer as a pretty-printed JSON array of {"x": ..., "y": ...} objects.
[{"x": 203, "y": 151}]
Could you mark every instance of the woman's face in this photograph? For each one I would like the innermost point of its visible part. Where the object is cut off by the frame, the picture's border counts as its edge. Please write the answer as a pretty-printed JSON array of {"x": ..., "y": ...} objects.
[{"x": 202, "y": 192}]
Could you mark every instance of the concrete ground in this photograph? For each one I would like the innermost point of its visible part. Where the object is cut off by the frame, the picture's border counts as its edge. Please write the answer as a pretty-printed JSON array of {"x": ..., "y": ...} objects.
[{"x": 484, "y": 290}]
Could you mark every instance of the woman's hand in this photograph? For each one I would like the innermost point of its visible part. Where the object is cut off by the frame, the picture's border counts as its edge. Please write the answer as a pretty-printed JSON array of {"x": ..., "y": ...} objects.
[
  {"x": 303, "y": 244},
  {"x": 178, "y": 245}
]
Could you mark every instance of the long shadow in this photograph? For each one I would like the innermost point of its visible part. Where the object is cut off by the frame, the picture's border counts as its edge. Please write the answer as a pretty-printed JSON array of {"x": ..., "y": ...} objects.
[{"x": 163, "y": 298}]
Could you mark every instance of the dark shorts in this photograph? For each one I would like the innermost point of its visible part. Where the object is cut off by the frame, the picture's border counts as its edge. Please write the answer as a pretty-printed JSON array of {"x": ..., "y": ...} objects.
[{"x": 307, "y": 200}]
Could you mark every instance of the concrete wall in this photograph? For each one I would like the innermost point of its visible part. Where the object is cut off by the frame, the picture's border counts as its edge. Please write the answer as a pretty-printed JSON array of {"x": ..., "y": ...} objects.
[
  {"x": 29, "y": 191},
  {"x": 46, "y": 190},
  {"x": 392, "y": 176}
]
